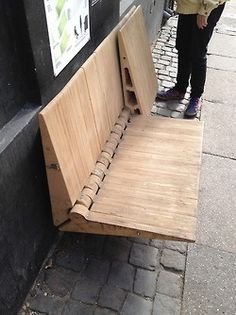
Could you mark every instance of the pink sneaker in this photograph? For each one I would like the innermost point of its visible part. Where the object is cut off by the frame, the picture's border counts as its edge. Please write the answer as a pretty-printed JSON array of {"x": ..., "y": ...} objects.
[{"x": 171, "y": 94}]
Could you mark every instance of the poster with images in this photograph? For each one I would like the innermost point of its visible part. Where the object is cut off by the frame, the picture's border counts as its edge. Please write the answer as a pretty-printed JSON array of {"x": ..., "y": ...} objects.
[{"x": 68, "y": 29}]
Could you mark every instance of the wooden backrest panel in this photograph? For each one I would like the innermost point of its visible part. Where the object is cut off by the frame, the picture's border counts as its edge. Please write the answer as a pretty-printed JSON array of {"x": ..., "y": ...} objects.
[
  {"x": 138, "y": 73},
  {"x": 69, "y": 124}
]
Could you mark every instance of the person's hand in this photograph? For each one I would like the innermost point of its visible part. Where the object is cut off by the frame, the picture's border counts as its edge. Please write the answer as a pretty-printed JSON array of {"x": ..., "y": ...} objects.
[{"x": 201, "y": 21}]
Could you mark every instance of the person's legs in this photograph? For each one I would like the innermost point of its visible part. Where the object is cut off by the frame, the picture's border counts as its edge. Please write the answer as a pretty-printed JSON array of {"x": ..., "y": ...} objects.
[
  {"x": 200, "y": 42},
  {"x": 183, "y": 45}
]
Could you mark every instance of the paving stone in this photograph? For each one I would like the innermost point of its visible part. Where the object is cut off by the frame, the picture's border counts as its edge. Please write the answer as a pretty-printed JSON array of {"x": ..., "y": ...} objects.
[
  {"x": 97, "y": 271},
  {"x": 167, "y": 84},
  {"x": 163, "y": 62},
  {"x": 173, "y": 260},
  {"x": 170, "y": 284},
  {"x": 135, "y": 305},
  {"x": 157, "y": 243},
  {"x": 164, "y": 112},
  {"x": 164, "y": 72},
  {"x": 117, "y": 248},
  {"x": 161, "y": 104},
  {"x": 145, "y": 283},
  {"x": 219, "y": 130},
  {"x": 168, "y": 49},
  {"x": 154, "y": 110},
  {"x": 93, "y": 245},
  {"x": 176, "y": 106},
  {"x": 221, "y": 63},
  {"x": 77, "y": 308},
  {"x": 165, "y": 305},
  {"x": 144, "y": 256},
  {"x": 217, "y": 45},
  {"x": 224, "y": 93},
  {"x": 179, "y": 246},
  {"x": 86, "y": 291},
  {"x": 210, "y": 286},
  {"x": 139, "y": 240},
  {"x": 73, "y": 259},
  {"x": 217, "y": 200},
  {"x": 178, "y": 115},
  {"x": 165, "y": 57},
  {"x": 159, "y": 66},
  {"x": 111, "y": 297},
  {"x": 60, "y": 281},
  {"x": 46, "y": 304},
  {"x": 103, "y": 311},
  {"x": 170, "y": 53},
  {"x": 171, "y": 68},
  {"x": 173, "y": 74},
  {"x": 164, "y": 77},
  {"x": 121, "y": 275}
]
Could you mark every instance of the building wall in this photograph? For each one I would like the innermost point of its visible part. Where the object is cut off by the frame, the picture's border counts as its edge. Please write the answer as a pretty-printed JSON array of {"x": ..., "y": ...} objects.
[{"x": 27, "y": 84}]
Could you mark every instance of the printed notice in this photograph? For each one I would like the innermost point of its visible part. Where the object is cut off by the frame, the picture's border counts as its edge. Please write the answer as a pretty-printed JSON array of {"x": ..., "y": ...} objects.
[{"x": 68, "y": 29}]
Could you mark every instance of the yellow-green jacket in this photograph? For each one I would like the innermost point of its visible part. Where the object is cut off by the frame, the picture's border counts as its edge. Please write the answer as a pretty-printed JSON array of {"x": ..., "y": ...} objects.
[{"x": 202, "y": 7}]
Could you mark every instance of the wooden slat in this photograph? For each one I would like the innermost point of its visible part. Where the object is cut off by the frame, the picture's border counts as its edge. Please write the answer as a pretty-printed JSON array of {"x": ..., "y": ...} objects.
[
  {"x": 98, "y": 100},
  {"x": 138, "y": 73},
  {"x": 109, "y": 76}
]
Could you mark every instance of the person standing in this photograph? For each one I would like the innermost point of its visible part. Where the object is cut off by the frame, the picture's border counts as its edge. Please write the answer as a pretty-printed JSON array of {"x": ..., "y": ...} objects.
[{"x": 197, "y": 19}]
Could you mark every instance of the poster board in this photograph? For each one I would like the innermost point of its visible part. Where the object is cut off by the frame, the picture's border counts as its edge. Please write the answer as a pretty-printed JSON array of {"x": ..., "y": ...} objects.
[{"x": 68, "y": 29}]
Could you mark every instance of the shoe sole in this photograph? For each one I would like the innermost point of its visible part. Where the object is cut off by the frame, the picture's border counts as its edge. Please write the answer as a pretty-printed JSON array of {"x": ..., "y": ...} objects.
[
  {"x": 186, "y": 115},
  {"x": 169, "y": 98}
]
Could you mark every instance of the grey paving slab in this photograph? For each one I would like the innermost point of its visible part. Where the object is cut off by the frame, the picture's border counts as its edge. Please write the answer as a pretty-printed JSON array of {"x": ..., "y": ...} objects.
[
  {"x": 217, "y": 200},
  {"x": 220, "y": 87},
  {"x": 219, "y": 129},
  {"x": 135, "y": 305},
  {"x": 221, "y": 63},
  {"x": 210, "y": 286},
  {"x": 223, "y": 45},
  {"x": 165, "y": 305}
]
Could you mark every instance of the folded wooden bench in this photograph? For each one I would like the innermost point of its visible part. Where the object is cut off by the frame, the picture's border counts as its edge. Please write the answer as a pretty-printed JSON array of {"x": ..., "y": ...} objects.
[{"x": 112, "y": 168}]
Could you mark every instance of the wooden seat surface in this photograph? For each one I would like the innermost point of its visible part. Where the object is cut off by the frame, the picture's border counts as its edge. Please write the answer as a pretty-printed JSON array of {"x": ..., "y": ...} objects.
[{"x": 152, "y": 183}]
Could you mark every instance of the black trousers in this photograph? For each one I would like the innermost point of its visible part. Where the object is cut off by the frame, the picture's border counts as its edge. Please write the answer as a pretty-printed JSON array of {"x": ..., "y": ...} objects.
[{"x": 191, "y": 43}]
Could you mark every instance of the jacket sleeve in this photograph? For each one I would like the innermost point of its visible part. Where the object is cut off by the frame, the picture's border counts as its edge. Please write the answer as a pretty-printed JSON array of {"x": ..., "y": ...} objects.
[{"x": 207, "y": 6}]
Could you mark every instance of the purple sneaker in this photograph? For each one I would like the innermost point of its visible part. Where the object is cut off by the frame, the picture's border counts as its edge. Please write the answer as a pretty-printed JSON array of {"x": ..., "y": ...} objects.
[
  {"x": 194, "y": 107},
  {"x": 171, "y": 94}
]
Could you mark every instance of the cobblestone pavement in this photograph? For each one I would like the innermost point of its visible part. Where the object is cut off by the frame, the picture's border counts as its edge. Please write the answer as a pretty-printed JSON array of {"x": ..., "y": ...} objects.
[{"x": 90, "y": 274}]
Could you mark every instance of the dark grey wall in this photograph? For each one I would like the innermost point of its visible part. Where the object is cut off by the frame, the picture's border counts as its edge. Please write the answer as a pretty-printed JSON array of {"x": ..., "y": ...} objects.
[
  {"x": 152, "y": 10},
  {"x": 17, "y": 81},
  {"x": 27, "y": 83}
]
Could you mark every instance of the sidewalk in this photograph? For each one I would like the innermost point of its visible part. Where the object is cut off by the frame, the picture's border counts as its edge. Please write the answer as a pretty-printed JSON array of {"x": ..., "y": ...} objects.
[{"x": 99, "y": 275}]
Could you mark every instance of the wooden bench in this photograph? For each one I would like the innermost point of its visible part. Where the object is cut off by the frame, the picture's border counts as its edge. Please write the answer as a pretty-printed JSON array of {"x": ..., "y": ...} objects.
[{"x": 113, "y": 168}]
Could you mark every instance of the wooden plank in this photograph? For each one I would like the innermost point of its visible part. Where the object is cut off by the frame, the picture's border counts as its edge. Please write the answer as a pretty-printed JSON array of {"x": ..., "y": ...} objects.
[
  {"x": 110, "y": 77},
  {"x": 98, "y": 101},
  {"x": 101, "y": 223},
  {"x": 138, "y": 73},
  {"x": 80, "y": 93},
  {"x": 59, "y": 194},
  {"x": 109, "y": 229}
]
